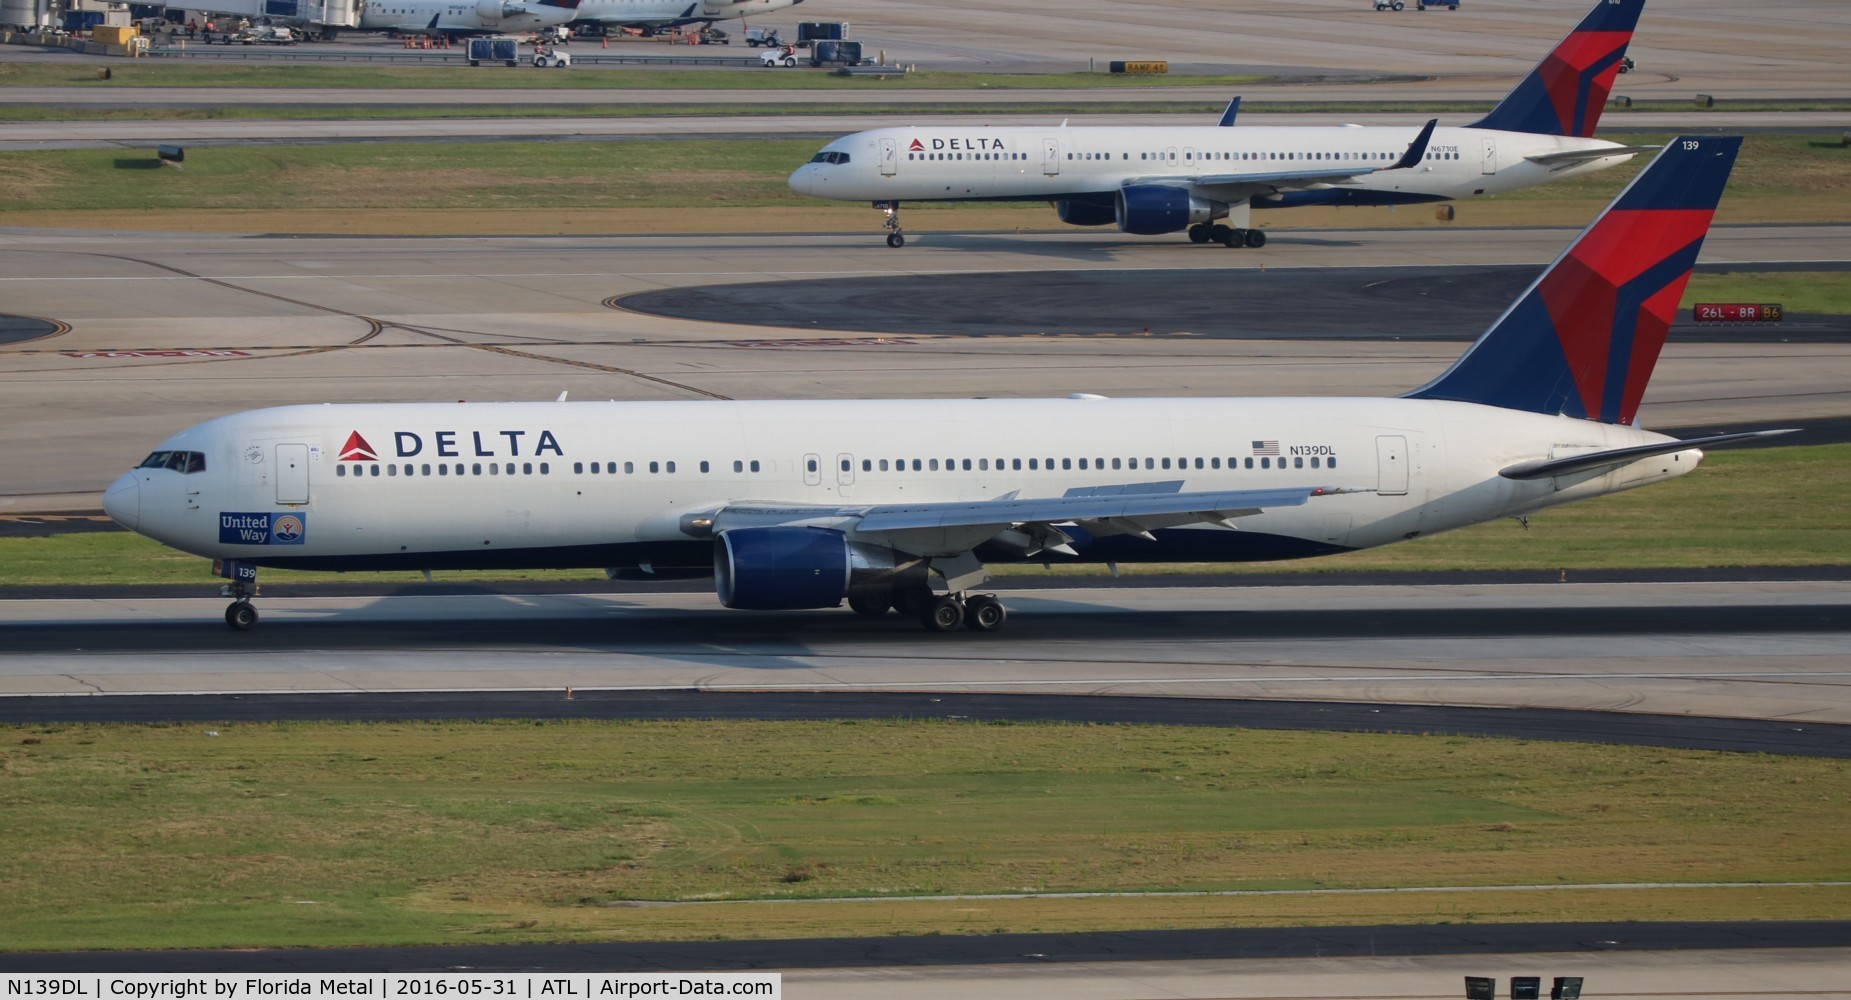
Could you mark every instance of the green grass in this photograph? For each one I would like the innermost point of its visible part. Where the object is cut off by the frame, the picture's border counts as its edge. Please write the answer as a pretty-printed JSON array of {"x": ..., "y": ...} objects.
[
  {"x": 1804, "y": 173},
  {"x": 1797, "y": 291},
  {"x": 325, "y": 834},
  {"x": 375, "y": 77},
  {"x": 1800, "y": 171},
  {"x": 1801, "y": 498}
]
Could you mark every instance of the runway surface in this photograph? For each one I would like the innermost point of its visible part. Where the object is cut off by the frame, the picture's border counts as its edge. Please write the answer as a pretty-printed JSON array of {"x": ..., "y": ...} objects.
[
  {"x": 1776, "y": 49},
  {"x": 1748, "y": 650},
  {"x": 165, "y": 330}
]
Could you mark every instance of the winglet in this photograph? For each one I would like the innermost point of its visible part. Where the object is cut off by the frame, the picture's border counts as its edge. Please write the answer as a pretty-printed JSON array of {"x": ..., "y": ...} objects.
[
  {"x": 1227, "y": 117},
  {"x": 1416, "y": 149},
  {"x": 1583, "y": 339}
]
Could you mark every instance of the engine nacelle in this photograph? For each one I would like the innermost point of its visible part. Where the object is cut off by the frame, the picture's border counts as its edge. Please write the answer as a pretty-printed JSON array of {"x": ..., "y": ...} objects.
[
  {"x": 490, "y": 10},
  {"x": 1152, "y": 209},
  {"x": 787, "y": 568},
  {"x": 1080, "y": 213}
]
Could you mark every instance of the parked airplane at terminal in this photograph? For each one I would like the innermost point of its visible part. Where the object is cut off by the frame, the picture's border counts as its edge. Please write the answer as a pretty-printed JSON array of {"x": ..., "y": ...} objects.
[
  {"x": 654, "y": 15},
  {"x": 1175, "y": 178},
  {"x": 479, "y": 17},
  {"x": 802, "y": 504}
]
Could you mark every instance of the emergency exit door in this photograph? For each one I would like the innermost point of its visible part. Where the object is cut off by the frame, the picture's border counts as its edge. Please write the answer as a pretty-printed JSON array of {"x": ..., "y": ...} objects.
[
  {"x": 1491, "y": 156},
  {"x": 292, "y": 473},
  {"x": 1050, "y": 156}
]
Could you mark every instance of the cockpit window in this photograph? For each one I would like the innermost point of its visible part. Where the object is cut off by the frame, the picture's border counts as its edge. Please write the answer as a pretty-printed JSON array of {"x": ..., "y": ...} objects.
[
  {"x": 183, "y": 462},
  {"x": 829, "y": 157}
]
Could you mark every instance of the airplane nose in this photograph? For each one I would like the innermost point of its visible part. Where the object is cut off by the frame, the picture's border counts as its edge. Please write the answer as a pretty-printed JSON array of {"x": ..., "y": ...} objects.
[
  {"x": 803, "y": 179},
  {"x": 122, "y": 501}
]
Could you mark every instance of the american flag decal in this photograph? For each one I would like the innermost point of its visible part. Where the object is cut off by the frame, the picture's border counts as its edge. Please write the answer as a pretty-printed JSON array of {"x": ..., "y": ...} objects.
[{"x": 1266, "y": 448}]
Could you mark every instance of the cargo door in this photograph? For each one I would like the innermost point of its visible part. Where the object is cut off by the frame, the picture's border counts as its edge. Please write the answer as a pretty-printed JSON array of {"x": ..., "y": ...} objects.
[
  {"x": 292, "y": 475},
  {"x": 1491, "y": 156},
  {"x": 890, "y": 157},
  {"x": 1391, "y": 461},
  {"x": 1050, "y": 156}
]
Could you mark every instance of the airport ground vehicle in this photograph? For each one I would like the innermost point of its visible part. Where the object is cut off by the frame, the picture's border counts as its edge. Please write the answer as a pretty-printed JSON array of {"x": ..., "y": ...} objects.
[
  {"x": 265, "y": 34},
  {"x": 1418, "y": 4},
  {"x": 713, "y": 36},
  {"x": 502, "y": 50},
  {"x": 809, "y": 32},
  {"x": 768, "y": 37},
  {"x": 786, "y": 56},
  {"x": 545, "y": 58}
]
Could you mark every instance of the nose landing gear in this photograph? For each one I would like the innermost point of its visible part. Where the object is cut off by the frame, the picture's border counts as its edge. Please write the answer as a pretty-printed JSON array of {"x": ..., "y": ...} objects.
[
  {"x": 240, "y": 616},
  {"x": 895, "y": 238}
]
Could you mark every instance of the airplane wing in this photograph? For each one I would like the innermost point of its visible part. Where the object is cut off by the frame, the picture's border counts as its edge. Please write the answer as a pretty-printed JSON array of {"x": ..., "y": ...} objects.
[
  {"x": 1301, "y": 176},
  {"x": 956, "y": 527}
]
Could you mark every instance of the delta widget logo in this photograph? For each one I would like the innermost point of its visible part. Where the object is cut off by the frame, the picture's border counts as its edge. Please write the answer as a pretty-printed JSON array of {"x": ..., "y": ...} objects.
[{"x": 357, "y": 450}]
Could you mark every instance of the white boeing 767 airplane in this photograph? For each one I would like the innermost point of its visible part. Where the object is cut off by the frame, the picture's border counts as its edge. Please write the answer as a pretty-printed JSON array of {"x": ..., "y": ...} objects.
[
  {"x": 464, "y": 17},
  {"x": 807, "y": 504},
  {"x": 1186, "y": 178}
]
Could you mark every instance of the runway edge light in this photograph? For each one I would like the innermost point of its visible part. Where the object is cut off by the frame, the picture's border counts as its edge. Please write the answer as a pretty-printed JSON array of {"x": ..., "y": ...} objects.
[
  {"x": 1480, "y": 988},
  {"x": 1566, "y": 988},
  {"x": 1525, "y": 988}
]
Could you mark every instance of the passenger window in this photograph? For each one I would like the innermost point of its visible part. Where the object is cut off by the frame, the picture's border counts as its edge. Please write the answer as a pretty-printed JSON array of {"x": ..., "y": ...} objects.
[
  {"x": 476, "y": 469},
  {"x": 1298, "y": 463},
  {"x": 545, "y": 469},
  {"x": 917, "y": 465},
  {"x": 655, "y": 467},
  {"x": 1066, "y": 463},
  {"x": 1032, "y": 464},
  {"x": 809, "y": 465},
  {"x": 1166, "y": 462},
  {"x": 966, "y": 465},
  {"x": 1198, "y": 463},
  {"x": 1266, "y": 463},
  {"x": 1331, "y": 463},
  {"x": 1215, "y": 463},
  {"x": 738, "y": 466},
  {"x": 577, "y": 467},
  {"x": 1249, "y": 463},
  {"x": 1115, "y": 463},
  {"x": 703, "y": 465},
  {"x": 494, "y": 469},
  {"x": 933, "y": 464},
  {"x": 1082, "y": 463},
  {"x": 754, "y": 465},
  {"x": 983, "y": 465},
  {"x": 391, "y": 470},
  {"x": 425, "y": 470},
  {"x": 867, "y": 465},
  {"x": 340, "y": 470},
  {"x": 845, "y": 465},
  {"x": 1314, "y": 461},
  {"x": 1016, "y": 464},
  {"x": 883, "y": 465},
  {"x": 670, "y": 466}
]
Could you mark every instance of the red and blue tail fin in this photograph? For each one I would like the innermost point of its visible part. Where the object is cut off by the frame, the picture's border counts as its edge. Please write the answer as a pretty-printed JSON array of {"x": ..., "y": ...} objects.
[
  {"x": 1565, "y": 93},
  {"x": 1582, "y": 340}
]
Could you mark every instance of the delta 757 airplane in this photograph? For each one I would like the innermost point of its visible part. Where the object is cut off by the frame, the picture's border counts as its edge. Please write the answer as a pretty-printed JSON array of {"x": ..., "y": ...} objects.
[
  {"x": 464, "y": 17},
  {"x": 651, "y": 15},
  {"x": 802, "y": 504},
  {"x": 1174, "y": 178}
]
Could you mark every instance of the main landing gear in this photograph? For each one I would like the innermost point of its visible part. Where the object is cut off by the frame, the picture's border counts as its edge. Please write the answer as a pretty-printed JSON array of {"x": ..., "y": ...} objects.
[
  {"x": 1227, "y": 236},
  {"x": 937, "y": 612},
  {"x": 240, "y": 616},
  {"x": 895, "y": 238}
]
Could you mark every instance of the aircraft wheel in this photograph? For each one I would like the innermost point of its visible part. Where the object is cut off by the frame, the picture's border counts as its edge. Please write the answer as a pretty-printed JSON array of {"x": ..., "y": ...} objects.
[
  {"x": 943, "y": 615},
  {"x": 984, "y": 613},
  {"x": 895, "y": 240},
  {"x": 1219, "y": 233},
  {"x": 1198, "y": 233},
  {"x": 1256, "y": 238},
  {"x": 241, "y": 616},
  {"x": 868, "y": 605},
  {"x": 1235, "y": 238}
]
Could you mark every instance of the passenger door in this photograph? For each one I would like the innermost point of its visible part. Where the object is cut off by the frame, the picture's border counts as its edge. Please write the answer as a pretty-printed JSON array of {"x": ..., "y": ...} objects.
[
  {"x": 890, "y": 157},
  {"x": 1490, "y": 165},
  {"x": 1391, "y": 462},
  {"x": 1050, "y": 156},
  {"x": 292, "y": 475}
]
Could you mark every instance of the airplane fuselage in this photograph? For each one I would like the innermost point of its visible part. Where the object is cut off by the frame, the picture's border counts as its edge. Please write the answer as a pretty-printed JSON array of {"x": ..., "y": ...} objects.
[
  {"x": 1088, "y": 164},
  {"x": 451, "y": 18},
  {"x": 613, "y": 485},
  {"x": 674, "y": 13}
]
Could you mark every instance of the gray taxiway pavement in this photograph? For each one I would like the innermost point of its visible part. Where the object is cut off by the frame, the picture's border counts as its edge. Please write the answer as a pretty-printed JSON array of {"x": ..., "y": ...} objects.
[
  {"x": 1752, "y": 650},
  {"x": 110, "y": 134},
  {"x": 161, "y": 331}
]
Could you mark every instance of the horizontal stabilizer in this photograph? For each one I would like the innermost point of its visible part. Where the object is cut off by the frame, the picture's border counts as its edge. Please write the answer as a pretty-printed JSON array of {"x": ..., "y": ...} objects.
[
  {"x": 1601, "y": 461},
  {"x": 1570, "y": 157}
]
